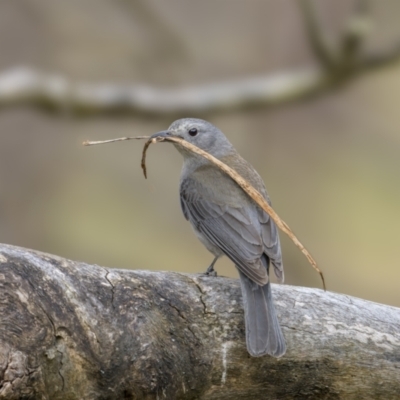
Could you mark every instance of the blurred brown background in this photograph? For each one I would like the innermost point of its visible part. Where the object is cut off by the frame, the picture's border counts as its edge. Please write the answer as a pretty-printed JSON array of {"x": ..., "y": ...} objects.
[{"x": 331, "y": 163}]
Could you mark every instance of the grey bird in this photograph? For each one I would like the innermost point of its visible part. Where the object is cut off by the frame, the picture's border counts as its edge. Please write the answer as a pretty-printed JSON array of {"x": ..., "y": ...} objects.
[{"x": 229, "y": 223}]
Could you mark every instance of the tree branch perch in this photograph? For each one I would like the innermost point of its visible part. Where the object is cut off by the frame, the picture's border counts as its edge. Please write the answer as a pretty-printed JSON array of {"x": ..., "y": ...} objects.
[{"x": 70, "y": 330}]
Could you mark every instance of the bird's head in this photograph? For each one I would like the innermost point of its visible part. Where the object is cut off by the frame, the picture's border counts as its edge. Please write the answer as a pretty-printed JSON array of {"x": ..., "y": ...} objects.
[{"x": 199, "y": 133}]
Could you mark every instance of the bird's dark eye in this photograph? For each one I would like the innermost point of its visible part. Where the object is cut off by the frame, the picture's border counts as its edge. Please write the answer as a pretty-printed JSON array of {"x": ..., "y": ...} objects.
[{"x": 193, "y": 132}]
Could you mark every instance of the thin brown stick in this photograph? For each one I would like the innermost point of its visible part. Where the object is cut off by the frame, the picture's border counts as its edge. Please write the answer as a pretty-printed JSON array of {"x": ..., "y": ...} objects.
[
  {"x": 143, "y": 161},
  {"x": 253, "y": 193},
  {"x": 89, "y": 143}
]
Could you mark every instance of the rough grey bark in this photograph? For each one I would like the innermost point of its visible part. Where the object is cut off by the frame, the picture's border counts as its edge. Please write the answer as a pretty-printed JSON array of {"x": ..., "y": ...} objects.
[{"x": 69, "y": 330}]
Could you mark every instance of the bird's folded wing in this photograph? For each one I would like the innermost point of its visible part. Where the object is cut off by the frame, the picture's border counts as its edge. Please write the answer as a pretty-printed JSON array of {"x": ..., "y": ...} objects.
[
  {"x": 272, "y": 247},
  {"x": 242, "y": 233}
]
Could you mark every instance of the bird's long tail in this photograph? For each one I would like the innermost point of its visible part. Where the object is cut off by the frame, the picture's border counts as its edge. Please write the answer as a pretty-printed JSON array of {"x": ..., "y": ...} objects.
[{"x": 263, "y": 333}]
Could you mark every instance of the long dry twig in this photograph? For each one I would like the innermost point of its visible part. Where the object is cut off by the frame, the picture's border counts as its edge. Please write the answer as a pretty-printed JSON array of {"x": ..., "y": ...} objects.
[
  {"x": 249, "y": 189},
  {"x": 90, "y": 143}
]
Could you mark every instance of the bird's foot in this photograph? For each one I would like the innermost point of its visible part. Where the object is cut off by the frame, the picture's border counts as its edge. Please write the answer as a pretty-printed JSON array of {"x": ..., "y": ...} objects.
[{"x": 211, "y": 271}]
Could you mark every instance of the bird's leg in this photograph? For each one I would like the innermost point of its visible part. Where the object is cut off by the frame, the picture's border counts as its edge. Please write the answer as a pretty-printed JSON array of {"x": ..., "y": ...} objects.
[{"x": 210, "y": 270}]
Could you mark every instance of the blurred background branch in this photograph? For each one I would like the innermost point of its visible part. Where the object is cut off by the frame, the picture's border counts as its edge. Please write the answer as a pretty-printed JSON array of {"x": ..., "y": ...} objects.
[{"x": 56, "y": 92}]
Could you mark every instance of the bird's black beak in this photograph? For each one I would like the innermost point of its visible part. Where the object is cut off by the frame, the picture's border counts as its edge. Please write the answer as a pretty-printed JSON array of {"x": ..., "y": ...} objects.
[{"x": 161, "y": 134}]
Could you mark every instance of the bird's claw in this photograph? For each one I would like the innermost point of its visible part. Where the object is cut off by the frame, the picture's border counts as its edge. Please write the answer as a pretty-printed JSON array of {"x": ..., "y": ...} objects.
[{"x": 211, "y": 271}]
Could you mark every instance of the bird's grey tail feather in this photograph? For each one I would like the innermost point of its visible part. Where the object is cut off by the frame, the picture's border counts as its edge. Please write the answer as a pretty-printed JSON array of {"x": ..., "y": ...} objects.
[{"x": 263, "y": 333}]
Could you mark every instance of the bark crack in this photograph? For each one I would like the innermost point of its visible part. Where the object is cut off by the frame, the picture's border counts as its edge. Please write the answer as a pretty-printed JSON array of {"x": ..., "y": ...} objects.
[
  {"x": 3, "y": 381},
  {"x": 112, "y": 287},
  {"x": 56, "y": 336},
  {"x": 59, "y": 369},
  {"x": 296, "y": 329},
  {"x": 181, "y": 315},
  {"x": 201, "y": 296}
]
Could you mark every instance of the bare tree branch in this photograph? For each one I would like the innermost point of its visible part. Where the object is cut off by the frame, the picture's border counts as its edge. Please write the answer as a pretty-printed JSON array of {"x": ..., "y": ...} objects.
[
  {"x": 57, "y": 93},
  {"x": 342, "y": 60},
  {"x": 357, "y": 28},
  {"x": 69, "y": 330},
  {"x": 26, "y": 86},
  {"x": 53, "y": 92},
  {"x": 323, "y": 50}
]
